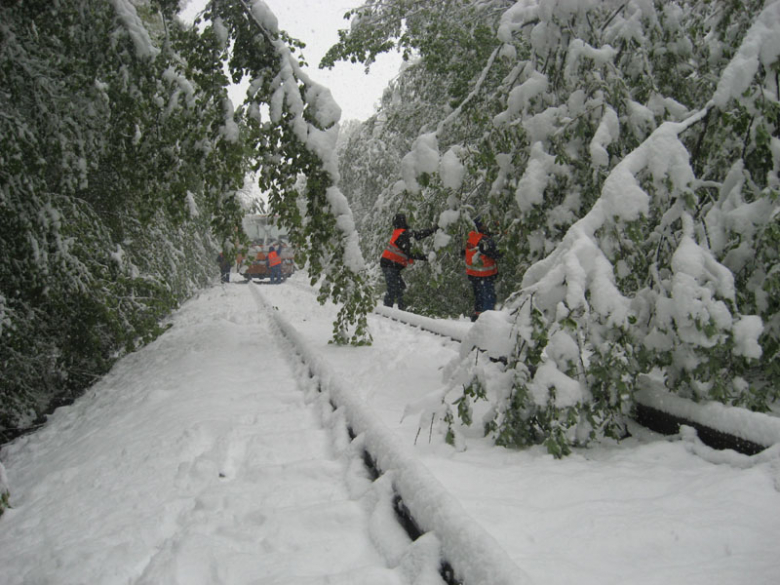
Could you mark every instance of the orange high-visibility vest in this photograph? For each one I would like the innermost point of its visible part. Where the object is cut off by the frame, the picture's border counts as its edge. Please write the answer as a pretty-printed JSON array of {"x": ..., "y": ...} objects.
[
  {"x": 394, "y": 253},
  {"x": 478, "y": 264},
  {"x": 273, "y": 259}
]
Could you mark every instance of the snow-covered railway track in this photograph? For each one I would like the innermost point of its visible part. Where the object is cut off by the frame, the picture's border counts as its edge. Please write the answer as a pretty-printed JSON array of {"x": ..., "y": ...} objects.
[
  {"x": 718, "y": 426},
  {"x": 436, "y": 524}
]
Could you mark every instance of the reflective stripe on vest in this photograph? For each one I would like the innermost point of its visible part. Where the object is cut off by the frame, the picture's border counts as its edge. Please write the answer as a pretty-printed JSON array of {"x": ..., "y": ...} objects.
[
  {"x": 394, "y": 253},
  {"x": 478, "y": 264},
  {"x": 273, "y": 259}
]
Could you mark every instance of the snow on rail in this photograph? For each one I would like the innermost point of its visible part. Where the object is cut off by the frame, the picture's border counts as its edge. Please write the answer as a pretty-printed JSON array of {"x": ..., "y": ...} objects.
[
  {"x": 455, "y": 330},
  {"x": 757, "y": 428},
  {"x": 476, "y": 557},
  {"x": 718, "y": 425}
]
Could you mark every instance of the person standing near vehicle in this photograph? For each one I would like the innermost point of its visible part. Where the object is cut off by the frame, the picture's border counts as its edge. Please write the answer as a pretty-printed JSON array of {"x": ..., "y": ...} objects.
[
  {"x": 274, "y": 263},
  {"x": 224, "y": 267},
  {"x": 482, "y": 267},
  {"x": 397, "y": 256}
]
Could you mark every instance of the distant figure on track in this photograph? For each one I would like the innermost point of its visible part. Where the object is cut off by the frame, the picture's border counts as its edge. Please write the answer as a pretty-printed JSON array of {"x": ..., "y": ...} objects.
[
  {"x": 224, "y": 267},
  {"x": 397, "y": 256},
  {"x": 482, "y": 267}
]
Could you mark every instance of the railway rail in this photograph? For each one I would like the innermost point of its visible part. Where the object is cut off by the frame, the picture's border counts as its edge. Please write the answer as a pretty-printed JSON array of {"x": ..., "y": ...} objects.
[
  {"x": 469, "y": 555},
  {"x": 738, "y": 429}
]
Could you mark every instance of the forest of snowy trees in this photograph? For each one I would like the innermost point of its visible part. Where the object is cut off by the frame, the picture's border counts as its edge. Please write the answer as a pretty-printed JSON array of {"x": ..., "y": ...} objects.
[
  {"x": 625, "y": 152},
  {"x": 120, "y": 163}
]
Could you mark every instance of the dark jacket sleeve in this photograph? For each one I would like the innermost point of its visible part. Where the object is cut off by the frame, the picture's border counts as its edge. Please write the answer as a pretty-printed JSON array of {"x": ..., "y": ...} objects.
[
  {"x": 404, "y": 242},
  {"x": 420, "y": 234},
  {"x": 487, "y": 246}
]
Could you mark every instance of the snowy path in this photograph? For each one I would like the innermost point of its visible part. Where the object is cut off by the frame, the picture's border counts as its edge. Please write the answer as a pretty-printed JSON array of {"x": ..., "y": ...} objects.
[{"x": 195, "y": 461}]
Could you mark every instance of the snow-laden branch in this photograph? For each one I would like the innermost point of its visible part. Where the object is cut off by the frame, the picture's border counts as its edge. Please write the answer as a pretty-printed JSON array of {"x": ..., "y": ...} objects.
[
  {"x": 760, "y": 47},
  {"x": 322, "y": 140},
  {"x": 477, "y": 86},
  {"x": 578, "y": 262},
  {"x": 144, "y": 48}
]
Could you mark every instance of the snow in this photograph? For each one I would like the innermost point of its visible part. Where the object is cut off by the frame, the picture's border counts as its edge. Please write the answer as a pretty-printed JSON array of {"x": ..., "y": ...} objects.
[
  {"x": 537, "y": 175},
  {"x": 184, "y": 85},
  {"x": 607, "y": 133},
  {"x": 760, "y": 47},
  {"x": 491, "y": 333},
  {"x": 451, "y": 169},
  {"x": 422, "y": 158},
  {"x": 520, "y": 97},
  {"x": 740, "y": 422},
  {"x": 230, "y": 130},
  {"x": 690, "y": 258},
  {"x": 579, "y": 48},
  {"x": 327, "y": 111},
  {"x": 353, "y": 257},
  {"x": 265, "y": 16},
  {"x": 746, "y": 332},
  {"x": 640, "y": 119},
  {"x": 192, "y": 205},
  {"x": 473, "y": 553},
  {"x": 518, "y": 15},
  {"x": 210, "y": 457},
  {"x": 144, "y": 48},
  {"x": 567, "y": 391},
  {"x": 456, "y": 330}
]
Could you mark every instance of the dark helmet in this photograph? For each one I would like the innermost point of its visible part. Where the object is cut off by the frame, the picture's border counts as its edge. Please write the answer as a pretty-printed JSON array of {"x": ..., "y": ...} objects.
[
  {"x": 399, "y": 221},
  {"x": 479, "y": 224}
]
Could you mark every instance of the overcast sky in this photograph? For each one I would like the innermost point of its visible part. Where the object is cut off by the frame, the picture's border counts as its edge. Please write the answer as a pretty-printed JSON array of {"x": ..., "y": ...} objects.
[{"x": 316, "y": 23}]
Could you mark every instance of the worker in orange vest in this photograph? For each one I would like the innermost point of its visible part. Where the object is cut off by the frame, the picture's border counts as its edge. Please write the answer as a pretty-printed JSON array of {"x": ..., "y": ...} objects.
[
  {"x": 482, "y": 267},
  {"x": 275, "y": 265},
  {"x": 397, "y": 256}
]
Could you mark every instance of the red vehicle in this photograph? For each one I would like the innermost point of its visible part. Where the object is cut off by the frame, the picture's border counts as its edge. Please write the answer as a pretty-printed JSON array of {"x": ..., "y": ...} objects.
[{"x": 263, "y": 233}]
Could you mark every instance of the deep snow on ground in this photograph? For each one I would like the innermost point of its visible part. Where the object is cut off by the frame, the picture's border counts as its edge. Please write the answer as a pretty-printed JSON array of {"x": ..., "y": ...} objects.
[
  {"x": 646, "y": 511},
  {"x": 195, "y": 461},
  {"x": 208, "y": 458}
]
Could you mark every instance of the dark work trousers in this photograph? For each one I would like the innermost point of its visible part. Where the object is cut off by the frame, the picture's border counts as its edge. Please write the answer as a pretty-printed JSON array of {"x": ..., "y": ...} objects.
[
  {"x": 484, "y": 293},
  {"x": 395, "y": 286}
]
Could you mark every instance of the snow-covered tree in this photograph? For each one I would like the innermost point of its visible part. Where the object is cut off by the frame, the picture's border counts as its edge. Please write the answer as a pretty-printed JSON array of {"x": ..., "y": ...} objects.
[
  {"x": 104, "y": 218},
  {"x": 628, "y": 153},
  {"x": 292, "y": 131},
  {"x": 120, "y": 163}
]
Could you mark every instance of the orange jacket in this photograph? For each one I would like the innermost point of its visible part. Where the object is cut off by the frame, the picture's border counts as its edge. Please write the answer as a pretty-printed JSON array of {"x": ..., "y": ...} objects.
[
  {"x": 394, "y": 253},
  {"x": 478, "y": 264},
  {"x": 273, "y": 259}
]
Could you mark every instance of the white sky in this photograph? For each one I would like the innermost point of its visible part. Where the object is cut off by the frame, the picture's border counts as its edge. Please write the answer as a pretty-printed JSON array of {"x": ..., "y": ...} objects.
[{"x": 316, "y": 23}]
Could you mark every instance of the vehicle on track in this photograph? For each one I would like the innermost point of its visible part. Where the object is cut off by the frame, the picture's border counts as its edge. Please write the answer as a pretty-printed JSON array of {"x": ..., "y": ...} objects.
[{"x": 264, "y": 232}]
